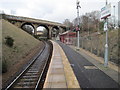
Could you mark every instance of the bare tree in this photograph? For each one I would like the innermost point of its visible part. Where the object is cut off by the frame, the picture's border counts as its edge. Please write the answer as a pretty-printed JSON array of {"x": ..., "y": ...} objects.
[
  {"x": 68, "y": 23},
  {"x": 89, "y": 21}
]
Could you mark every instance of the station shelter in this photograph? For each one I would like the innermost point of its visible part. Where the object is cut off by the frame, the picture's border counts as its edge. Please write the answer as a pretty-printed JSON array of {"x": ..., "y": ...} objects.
[{"x": 68, "y": 37}]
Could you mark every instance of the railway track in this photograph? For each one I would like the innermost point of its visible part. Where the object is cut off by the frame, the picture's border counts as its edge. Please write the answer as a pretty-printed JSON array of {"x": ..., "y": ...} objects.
[{"x": 33, "y": 74}]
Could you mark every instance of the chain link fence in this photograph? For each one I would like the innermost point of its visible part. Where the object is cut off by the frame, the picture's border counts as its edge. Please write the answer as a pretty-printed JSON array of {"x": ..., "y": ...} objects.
[{"x": 96, "y": 45}]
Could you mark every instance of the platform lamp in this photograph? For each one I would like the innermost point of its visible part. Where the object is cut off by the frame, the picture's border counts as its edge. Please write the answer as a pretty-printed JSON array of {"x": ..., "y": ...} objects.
[{"x": 78, "y": 25}]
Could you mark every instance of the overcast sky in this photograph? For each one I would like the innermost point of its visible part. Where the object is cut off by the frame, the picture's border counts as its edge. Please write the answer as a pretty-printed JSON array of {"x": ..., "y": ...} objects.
[{"x": 52, "y": 10}]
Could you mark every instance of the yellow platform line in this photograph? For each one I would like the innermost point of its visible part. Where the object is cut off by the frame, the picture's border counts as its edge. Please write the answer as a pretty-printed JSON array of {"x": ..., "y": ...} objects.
[{"x": 72, "y": 81}]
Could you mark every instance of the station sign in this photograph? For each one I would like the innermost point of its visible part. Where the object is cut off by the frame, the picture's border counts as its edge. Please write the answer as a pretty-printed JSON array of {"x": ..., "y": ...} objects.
[{"x": 106, "y": 11}]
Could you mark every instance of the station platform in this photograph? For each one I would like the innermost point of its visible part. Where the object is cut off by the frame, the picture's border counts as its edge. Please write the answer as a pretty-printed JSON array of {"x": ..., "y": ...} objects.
[
  {"x": 60, "y": 73},
  {"x": 89, "y": 72}
]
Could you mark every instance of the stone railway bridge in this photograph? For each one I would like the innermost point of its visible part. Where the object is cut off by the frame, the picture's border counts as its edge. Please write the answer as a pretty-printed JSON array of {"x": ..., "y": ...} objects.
[{"x": 35, "y": 23}]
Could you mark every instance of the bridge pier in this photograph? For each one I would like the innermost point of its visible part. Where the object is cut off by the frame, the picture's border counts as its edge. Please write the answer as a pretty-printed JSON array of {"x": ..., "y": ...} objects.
[
  {"x": 50, "y": 32},
  {"x": 35, "y": 29}
]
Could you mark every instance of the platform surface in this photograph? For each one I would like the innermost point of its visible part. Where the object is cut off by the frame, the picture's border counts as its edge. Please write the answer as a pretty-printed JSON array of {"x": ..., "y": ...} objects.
[
  {"x": 60, "y": 73},
  {"x": 87, "y": 73}
]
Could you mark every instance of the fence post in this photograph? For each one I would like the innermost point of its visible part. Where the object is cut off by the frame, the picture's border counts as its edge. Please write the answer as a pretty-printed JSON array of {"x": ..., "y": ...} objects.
[
  {"x": 98, "y": 45},
  {"x": 91, "y": 44}
]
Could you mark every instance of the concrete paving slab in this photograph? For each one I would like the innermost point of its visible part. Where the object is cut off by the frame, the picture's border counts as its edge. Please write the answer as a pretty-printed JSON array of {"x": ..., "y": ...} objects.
[
  {"x": 57, "y": 71},
  {"x": 59, "y": 85},
  {"x": 58, "y": 78},
  {"x": 57, "y": 66}
]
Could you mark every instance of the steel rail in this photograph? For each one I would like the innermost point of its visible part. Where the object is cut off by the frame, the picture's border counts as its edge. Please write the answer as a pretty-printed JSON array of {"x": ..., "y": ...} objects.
[{"x": 34, "y": 59}]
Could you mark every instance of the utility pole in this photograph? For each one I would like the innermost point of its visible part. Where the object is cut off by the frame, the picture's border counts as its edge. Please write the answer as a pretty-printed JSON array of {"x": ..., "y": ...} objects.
[
  {"x": 106, "y": 45},
  {"x": 78, "y": 25},
  {"x": 114, "y": 16}
]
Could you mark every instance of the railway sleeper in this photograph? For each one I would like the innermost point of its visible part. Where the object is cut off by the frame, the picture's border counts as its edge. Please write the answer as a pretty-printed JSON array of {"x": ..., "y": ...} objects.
[
  {"x": 27, "y": 76},
  {"x": 28, "y": 80},
  {"x": 24, "y": 84},
  {"x": 19, "y": 87},
  {"x": 33, "y": 71}
]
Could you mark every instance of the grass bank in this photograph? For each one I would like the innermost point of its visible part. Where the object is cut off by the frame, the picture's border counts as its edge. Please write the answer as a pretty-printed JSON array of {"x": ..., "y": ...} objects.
[{"x": 24, "y": 47}]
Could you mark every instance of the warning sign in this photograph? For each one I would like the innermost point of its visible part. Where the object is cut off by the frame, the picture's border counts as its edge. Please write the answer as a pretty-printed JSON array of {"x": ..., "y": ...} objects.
[{"x": 105, "y": 26}]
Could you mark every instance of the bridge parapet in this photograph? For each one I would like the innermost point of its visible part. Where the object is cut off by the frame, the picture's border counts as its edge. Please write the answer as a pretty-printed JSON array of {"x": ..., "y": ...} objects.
[{"x": 26, "y": 19}]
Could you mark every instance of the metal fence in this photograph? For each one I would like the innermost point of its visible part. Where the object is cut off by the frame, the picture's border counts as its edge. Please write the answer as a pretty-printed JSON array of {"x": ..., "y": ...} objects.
[{"x": 96, "y": 45}]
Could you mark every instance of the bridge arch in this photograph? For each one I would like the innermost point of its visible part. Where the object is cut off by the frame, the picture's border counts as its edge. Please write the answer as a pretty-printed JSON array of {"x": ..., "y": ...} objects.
[
  {"x": 31, "y": 28},
  {"x": 55, "y": 31},
  {"x": 45, "y": 29}
]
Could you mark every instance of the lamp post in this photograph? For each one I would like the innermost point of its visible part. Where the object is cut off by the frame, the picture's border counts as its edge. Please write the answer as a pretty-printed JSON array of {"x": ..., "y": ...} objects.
[
  {"x": 78, "y": 25},
  {"x": 106, "y": 45},
  {"x": 114, "y": 16}
]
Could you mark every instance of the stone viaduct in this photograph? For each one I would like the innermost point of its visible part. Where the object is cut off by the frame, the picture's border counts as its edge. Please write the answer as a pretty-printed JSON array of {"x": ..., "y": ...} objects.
[{"x": 21, "y": 21}]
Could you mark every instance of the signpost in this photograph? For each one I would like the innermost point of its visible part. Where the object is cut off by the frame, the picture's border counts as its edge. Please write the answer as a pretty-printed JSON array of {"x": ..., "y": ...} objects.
[{"x": 105, "y": 13}]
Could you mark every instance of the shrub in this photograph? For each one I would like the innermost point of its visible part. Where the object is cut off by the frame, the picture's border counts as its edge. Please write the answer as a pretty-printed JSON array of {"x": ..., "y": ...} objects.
[
  {"x": 9, "y": 41},
  {"x": 36, "y": 36}
]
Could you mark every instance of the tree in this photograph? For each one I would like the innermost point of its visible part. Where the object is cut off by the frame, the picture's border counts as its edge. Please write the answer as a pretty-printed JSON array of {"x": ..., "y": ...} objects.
[
  {"x": 84, "y": 23},
  {"x": 94, "y": 20},
  {"x": 89, "y": 21},
  {"x": 68, "y": 24}
]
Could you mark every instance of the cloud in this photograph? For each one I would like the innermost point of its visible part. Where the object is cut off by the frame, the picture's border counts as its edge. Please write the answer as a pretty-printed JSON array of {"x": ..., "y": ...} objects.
[
  {"x": 52, "y": 10},
  {"x": 61, "y": 12}
]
